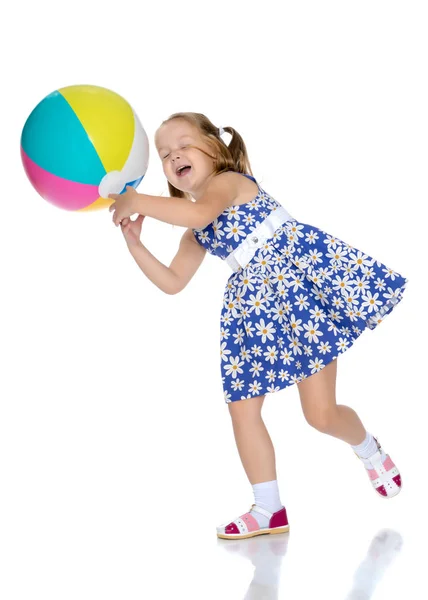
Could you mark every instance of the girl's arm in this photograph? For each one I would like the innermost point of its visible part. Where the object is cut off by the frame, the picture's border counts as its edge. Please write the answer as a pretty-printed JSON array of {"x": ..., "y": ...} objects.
[
  {"x": 172, "y": 279},
  {"x": 221, "y": 192}
]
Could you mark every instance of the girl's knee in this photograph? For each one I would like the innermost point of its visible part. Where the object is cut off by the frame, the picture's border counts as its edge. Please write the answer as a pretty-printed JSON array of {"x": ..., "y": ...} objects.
[
  {"x": 321, "y": 419},
  {"x": 249, "y": 408}
]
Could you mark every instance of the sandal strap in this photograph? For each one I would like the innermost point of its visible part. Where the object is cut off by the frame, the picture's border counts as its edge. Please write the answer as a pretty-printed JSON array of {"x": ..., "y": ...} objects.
[{"x": 261, "y": 510}]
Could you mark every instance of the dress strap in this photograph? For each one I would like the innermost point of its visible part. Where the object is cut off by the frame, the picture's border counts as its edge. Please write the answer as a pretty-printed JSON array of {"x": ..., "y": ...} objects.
[
  {"x": 252, "y": 179},
  {"x": 249, "y": 177}
]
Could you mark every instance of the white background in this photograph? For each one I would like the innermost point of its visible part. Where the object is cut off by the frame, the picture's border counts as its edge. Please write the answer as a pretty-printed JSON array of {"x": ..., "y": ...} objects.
[{"x": 117, "y": 452}]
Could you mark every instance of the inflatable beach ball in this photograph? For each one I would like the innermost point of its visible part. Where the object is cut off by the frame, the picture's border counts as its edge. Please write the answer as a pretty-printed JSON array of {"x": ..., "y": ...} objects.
[{"x": 82, "y": 143}]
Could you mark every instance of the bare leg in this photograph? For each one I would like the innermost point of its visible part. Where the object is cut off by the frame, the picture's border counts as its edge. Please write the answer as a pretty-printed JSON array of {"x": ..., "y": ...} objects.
[
  {"x": 318, "y": 399},
  {"x": 252, "y": 439}
]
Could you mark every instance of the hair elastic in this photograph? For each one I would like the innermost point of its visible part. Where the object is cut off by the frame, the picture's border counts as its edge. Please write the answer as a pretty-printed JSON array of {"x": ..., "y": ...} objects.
[{"x": 220, "y": 131}]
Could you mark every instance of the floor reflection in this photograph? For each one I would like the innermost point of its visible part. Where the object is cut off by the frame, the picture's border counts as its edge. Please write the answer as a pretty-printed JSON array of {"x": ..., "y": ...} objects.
[
  {"x": 266, "y": 553},
  {"x": 383, "y": 549}
]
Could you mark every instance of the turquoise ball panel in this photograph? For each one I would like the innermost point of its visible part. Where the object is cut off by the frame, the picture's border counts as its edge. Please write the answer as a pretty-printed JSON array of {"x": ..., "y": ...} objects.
[{"x": 54, "y": 138}]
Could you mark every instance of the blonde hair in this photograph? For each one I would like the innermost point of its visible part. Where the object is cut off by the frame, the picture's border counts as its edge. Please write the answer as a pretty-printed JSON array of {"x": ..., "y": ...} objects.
[{"x": 233, "y": 157}]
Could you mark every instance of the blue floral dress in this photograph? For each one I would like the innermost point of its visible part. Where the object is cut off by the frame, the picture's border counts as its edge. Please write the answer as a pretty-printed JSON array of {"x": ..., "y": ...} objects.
[{"x": 303, "y": 299}]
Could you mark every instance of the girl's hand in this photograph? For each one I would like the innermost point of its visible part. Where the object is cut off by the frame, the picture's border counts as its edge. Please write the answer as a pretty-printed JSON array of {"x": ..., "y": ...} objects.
[
  {"x": 132, "y": 230},
  {"x": 124, "y": 205}
]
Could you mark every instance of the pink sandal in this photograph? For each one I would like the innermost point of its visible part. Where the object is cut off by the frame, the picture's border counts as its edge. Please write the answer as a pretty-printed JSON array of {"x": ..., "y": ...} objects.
[
  {"x": 385, "y": 476},
  {"x": 246, "y": 525}
]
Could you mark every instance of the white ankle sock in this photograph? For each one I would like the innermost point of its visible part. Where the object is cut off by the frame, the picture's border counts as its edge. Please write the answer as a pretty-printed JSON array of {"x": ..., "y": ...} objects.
[
  {"x": 367, "y": 448},
  {"x": 266, "y": 495}
]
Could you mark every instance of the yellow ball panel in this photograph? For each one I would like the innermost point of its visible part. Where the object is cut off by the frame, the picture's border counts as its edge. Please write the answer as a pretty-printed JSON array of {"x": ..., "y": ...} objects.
[
  {"x": 107, "y": 119},
  {"x": 97, "y": 205}
]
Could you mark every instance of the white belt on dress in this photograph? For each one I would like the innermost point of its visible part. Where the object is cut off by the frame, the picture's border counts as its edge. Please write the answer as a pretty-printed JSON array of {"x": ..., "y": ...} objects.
[{"x": 246, "y": 250}]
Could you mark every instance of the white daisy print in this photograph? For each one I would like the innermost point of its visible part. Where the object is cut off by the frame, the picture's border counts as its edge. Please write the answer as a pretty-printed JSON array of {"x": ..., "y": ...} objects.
[
  {"x": 271, "y": 354},
  {"x": 296, "y": 325},
  {"x": 317, "y": 314},
  {"x": 271, "y": 389},
  {"x": 336, "y": 255},
  {"x": 380, "y": 284},
  {"x": 283, "y": 375},
  {"x": 237, "y": 385},
  {"x": 312, "y": 331},
  {"x": 302, "y": 302},
  {"x": 324, "y": 347},
  {"x": 256, "y": 368},
  {"x": 316, "y": 365},
  {"x": 235, "y": 230},
  {"x": 278, "y": 312},
  {"x": 224, "y": 351},
  {"x": 234, "y": 367},
  {"x": 239, "y": 336},
  {"x": 360, "y": 259},
  {"x": 303, "y": 298},
  {"x": 234, "y": 213},
  {"x": 295, "y": 344},
  {"x": 390, "y": 273},
  {"x": 245, "y": 354},
  {"x": 311, "y": 237},
  {"x": 224, "y": 333},
  {"x": 217, "y": 228},
  {"x": 256, "y": 350},
  {"x": 265, "y": 330},
  {"x": 249, "y": 329},
  {"x": 342, "y": 344},
  {"x": 286, "y": 357},
  {"x": 255, "y": 388},
  {"x": 271, "y": 375},
  {"x": 315, "y": 256},
  {"x": 360, "y": 284},
  {"x": 307, "y": 350},
  {"x": 256, "y": 303},
  {"x": 343, "y": 283},
  {"x": 279, "y": 275},
  {"x": 371, "y": 301}
]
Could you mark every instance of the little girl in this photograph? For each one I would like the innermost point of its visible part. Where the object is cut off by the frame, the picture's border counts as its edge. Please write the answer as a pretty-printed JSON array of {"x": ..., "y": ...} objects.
[{"x": 298, "y": 297}]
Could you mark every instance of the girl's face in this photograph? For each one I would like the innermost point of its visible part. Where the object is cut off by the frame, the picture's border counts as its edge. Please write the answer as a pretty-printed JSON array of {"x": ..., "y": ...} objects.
[{"x": 182, "y": 152}]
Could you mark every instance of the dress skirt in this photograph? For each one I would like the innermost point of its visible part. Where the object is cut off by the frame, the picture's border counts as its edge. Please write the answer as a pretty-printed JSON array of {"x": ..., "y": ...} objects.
[{"x": 303, "y": 299}]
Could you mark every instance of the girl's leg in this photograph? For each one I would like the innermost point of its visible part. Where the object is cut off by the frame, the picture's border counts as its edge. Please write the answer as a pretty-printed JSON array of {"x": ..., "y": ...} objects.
[
  {"x": 257, "y": 455},
  {"x": 252, "y": 439},
  {"x": 318, "y": 399}
]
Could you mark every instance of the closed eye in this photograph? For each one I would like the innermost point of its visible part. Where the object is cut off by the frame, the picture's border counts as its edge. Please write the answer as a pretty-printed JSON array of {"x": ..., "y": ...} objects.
[{"x": 181, "y": 148}]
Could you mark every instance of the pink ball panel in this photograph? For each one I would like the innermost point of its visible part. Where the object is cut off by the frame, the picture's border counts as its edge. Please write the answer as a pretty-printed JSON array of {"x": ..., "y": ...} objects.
[{"x": 60, "y": 192}]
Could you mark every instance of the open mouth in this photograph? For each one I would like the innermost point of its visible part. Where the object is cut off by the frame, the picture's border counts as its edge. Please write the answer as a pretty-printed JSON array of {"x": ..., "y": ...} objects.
[{"x": 182, "y": 171}]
